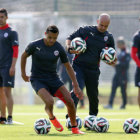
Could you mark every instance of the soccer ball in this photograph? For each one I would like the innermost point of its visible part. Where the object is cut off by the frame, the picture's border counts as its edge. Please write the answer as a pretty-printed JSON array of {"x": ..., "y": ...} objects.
[
  {"x": 100, "y": 125},
  {"x": 88, "y": 122},
  {"x": 78, "y": 120},
  {"x": 131, "y": 126},
  {"x": 42, "y": 126},
  {"x": 108, "y": 54},
  {"x": 59, "y": 104},
  {"x": 78, "y": 44}
]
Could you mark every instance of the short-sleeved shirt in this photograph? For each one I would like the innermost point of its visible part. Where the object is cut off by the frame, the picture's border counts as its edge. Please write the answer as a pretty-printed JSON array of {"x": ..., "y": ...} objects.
[
  {"x": 122, "y": 65},
  {"x": 8, "y": 39},
  {"x": 95, "y": 41},
  {"x": 136, "y": 42},
  {"x": 44, "y": 58}
]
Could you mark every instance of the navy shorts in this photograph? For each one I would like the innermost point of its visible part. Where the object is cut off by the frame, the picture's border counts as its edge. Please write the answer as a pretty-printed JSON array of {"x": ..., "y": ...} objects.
[
  {"x": 137, "y": 77},
  {"x": 50, "y": 85},
  {"x": 5, "y": 79}
]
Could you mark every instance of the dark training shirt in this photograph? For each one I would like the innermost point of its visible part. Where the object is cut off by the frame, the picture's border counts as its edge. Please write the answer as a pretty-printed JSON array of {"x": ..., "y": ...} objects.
[
  {"x": 136, "y": 42},
  {"x": 122, "y": 65},
  {"x": 44, "y": 58},
  {"x": 95, "y": 41},
  {"x": 8, "y": 39}
]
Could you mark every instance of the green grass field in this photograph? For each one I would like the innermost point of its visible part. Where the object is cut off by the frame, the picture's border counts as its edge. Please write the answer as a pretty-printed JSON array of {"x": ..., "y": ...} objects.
[{"x": 28, "y": 115}]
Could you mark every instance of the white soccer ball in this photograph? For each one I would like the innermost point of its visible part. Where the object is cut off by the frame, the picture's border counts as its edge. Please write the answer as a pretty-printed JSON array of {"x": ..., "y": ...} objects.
[
  {"x": 78, "y": 120},
  {"x": 108, "y": 54},
  {"x": 131, "y": 126},
  {"x": 59, "y": 104},
  {"x": 78, "y": 44},
  {"x": 100, "y": 124},
  {"x": 88, "y": 122},
  {"x": 42, "y": 126}
]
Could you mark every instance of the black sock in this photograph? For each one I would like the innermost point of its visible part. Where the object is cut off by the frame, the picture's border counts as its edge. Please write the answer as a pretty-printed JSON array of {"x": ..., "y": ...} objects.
[
  {"x": 3, "y": 119},
  {"x": 9, "y": 116}
]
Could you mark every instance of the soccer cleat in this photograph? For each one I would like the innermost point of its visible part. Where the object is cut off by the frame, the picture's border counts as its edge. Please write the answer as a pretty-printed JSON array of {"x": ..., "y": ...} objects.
[
  {"x": 9, "y": 120},
  {"x": 108, "y": 107},
  {"x": 57, "y": 125},
  {"x": 76, "y": 130},
  {"x": 3, "y": 121}
]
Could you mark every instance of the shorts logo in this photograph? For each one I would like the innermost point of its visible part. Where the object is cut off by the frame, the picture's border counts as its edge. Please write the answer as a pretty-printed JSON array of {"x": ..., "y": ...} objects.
[
  {"x": 105, "y": 38},
  {"x": 56, "y": 52},
  {"x": 9, "y": 82},
  {"x": 5, "y": 35}
]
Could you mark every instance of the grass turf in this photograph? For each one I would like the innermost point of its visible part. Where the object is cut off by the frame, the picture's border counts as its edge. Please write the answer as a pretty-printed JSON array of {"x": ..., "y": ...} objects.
[{"x": 28, "y": 115}]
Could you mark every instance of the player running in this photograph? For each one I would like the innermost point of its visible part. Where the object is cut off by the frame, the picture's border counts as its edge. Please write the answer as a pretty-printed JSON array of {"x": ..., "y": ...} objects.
[{"x": 45, "y": 53}]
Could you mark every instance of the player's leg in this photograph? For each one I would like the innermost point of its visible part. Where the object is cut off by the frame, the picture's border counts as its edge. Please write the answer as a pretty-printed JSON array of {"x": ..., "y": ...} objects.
[
  {"x": 8, "y": 84},
  {"x": 2, "y": 107},
  {"x": 139, "y": 97},
  {"x": 80, "y": 80},
  {"x": 65, "y": 96},
  {"x": 124, "y": 94},
  {"x": 91, "y": 83},
  {"x": 49, "y": 102},
  {"x": 113, "y": 93},
  {"x": 10, "y": 103},
  {"x": 137, "y": 83}
]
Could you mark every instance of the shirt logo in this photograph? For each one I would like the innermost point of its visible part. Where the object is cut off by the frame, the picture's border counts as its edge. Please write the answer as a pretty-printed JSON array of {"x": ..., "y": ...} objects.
[
  {"x": 5, "y": 35},
  {"x": 16, "y": 41},
  {"x": 38, "y": 48},
  {"x": 105, "y": 38},
  {"x": 92, "y": 33},
  {"x": 56, "y": 52}
]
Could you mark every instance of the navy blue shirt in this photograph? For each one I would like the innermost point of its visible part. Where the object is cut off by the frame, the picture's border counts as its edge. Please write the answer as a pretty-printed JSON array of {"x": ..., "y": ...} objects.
[
  {"x": 44, "y": 58},
  {"x": 8, "y": 39},
  {"x": 95, "y": 41},
  {"x": 122, "y": 65},
  {"x": 136, "y": 42}
]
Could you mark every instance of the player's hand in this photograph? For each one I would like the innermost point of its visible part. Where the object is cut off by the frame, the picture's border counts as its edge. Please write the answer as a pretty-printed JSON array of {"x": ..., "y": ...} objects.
[
  {"x": 113, "y": 63},
  {"x": 25, "y": 78},
  {"x": 78, "y": 92},
  {"x": 12, "y": 71},
  {"x": 74, "y": 52}
]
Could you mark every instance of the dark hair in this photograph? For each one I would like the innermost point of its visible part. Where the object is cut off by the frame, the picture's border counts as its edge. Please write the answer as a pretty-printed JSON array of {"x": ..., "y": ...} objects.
[
  {"x": 2, "y": 10},
  {"x": 53, "y": 29}
]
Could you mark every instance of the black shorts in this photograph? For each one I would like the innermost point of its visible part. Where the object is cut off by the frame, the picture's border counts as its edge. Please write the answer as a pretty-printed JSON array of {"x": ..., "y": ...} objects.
[
  {"x": 137, "y": 77},
  {"x": 5, "y": 79},
  {"x": 50, "y": 85}
]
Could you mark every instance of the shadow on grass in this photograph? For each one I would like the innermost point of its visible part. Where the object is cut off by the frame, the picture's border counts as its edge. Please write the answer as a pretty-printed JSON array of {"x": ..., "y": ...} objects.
[
  {"x": 112, "y": 133},
  {"x": 55, "y": 135}
]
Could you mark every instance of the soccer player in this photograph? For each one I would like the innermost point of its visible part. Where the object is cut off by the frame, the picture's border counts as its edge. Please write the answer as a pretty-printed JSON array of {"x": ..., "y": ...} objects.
[
  {"x": 8, "y": 58},
  {"x": 45, "y": 53},
  {"x": 86, "y": 65},
  {"x": 120, "y": 78},
  {"x": 135, "y": 54}
]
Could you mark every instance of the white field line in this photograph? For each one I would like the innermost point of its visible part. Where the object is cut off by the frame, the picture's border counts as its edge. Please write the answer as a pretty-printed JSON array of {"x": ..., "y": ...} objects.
[
  {"x": 80, "y": 114},
  {"x": 14, "y": 122}
]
